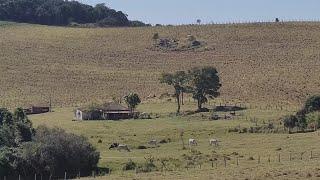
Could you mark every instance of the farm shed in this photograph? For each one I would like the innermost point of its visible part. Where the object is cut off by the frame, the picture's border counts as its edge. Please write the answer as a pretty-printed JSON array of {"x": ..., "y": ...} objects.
[
  {"x": 108, "y": 111},
  {"x": 37, "y": 110}
]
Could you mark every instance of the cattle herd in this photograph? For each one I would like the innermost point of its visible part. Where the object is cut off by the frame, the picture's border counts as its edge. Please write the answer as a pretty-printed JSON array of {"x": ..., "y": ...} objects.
[{"x": 192, "y": 142}]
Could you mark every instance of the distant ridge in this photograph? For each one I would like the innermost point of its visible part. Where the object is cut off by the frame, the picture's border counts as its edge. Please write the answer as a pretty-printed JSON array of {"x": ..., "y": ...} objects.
[{"x": 62, "y": 13}]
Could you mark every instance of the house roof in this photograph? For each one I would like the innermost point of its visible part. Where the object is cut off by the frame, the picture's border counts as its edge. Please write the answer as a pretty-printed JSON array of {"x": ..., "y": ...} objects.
[
  {"x": 113, "y": 106},
  {"x": 110, "y": 106}
]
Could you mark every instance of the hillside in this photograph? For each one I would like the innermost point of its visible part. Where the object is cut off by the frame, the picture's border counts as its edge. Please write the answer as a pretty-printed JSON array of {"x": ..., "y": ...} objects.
[{"x": 258, "y": 63}]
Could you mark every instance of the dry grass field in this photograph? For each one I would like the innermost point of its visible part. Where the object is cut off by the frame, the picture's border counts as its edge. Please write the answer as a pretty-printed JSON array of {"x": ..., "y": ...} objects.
[
  {"x": 272, "y": 68},
  {"x": 269, "y": 63}
]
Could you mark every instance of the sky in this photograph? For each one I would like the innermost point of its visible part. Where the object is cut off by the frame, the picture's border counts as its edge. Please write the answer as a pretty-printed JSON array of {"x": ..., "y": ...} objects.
[{"x": 213, "y": 11}]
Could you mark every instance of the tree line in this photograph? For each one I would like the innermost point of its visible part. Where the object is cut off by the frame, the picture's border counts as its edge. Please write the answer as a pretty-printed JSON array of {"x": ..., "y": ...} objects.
[
  {"x": 47, "y": 152},
  {"x": 202, "y": 83},
  {"x": 60, "y": 12}
]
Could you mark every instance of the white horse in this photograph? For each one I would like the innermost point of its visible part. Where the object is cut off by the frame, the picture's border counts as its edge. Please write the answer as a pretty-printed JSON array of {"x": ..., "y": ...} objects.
[
  {"x": 153, "y": 142},
  {"x": 214, "y": 142},
  {"x": 123, "y": 147},
  {"x": 192, "y": 142}
]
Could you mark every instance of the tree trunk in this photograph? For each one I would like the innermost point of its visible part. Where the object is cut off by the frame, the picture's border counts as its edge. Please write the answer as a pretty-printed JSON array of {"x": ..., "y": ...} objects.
[
  {"x": 199, "y": 105},
  {"x": 178, "y": 101},
  {"x": 182, "y": 101}
]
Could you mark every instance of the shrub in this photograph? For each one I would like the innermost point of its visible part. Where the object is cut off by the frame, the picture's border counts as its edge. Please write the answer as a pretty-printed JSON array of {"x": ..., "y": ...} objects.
[
  {"x": 142, "y": 147},
  {"x": 313, "y": 119},
  {"x": 290, "y": 121},
  {"x": 148, "y": 166},
  {"x": 236, "y": 129},
  {"x": 312, "y": 104},
  {"x": 6, "y": 156},
  {"x": 130, "y": 165},
  {"x": 164, "y": 141},
  {"x": 244, "y": 130},
  {"x": 155, "y": 36},
  {"x": 54, "y": 150}
]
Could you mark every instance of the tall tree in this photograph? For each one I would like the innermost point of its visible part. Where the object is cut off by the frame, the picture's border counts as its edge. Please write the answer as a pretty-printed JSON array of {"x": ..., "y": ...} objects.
[
  {"x": 132, "y": 100},
  {"x": 205, "y": 83},
  {"x": 179, "y": 81}
]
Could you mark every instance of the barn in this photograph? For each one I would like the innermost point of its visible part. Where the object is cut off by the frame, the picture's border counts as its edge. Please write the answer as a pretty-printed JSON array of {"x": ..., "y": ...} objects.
[
  {"x": 107, "y": 111},
  {"x": 36, "y": 110}
]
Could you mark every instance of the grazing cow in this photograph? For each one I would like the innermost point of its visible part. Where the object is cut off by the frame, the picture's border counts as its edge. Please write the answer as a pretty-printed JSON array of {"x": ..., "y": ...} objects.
[
  {"x": 192, "y": 142},
  {"x": 214, "y": 142},
  {"x": 123, "y": 147},
  {"x": 114, "y": 145},
  {"x": 153, "y": 142}
]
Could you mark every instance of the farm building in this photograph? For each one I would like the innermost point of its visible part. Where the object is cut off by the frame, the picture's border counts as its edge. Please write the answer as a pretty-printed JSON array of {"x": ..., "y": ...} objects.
[
  {"x": 36, "y": 109},
  {"x": 108, "y": 111}
]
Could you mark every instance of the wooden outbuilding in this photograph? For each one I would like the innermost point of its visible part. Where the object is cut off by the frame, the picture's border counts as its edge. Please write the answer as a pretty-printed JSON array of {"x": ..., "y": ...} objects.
[
  {"x": 36, "y": 110},
  {"x": 108, "y": 111}
]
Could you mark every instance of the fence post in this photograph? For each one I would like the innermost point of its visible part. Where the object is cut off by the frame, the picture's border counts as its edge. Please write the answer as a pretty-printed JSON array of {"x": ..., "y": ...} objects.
[
  {"x": 290, "y": 156},
  {"x": 237, "y": 161},
  {"x": 225, "y": 162},
  {"x": 301, "y": 156},
  {"x": 279, "y": 158},
  {"x": 259, "y": 159},
  {"x": 35, "y": 176},
  {"x": 19, "y": 177},
  {"x": 311, "y": 155},
  {"x": 65, "y": 175}
]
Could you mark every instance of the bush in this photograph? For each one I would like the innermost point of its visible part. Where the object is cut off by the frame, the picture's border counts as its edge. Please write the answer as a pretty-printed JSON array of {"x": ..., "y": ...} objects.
[
  {"x": 148, "y": 166},
  {"x": 130, "y": 165},
  {"x": 290, "y": 121},
  {"x": 313, "y": 119},
  {"x": 312, "y": 104},
  {"x": 164, "y": 141},
  {"x": 54, "y": 150},
  {"x": 142, "y": 147},
  {"x": 236, "y": 129},
  {"x": 244, "y": 130},
  {"x": 6, "y": 157}
]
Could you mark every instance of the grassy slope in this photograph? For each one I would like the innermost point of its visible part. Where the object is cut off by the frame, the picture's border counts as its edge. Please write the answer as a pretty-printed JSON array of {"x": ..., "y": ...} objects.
[
  {"x": 139, "y": 132},
  {"x": 273, "y": 63},
  {"x": 259, "y": 64}
]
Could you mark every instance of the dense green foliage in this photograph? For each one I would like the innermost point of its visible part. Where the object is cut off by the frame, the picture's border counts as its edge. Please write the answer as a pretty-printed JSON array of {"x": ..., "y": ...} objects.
[
  {"x": 308, "y": 116},
  {"x": 132, "y": 100},
  {"x": 312, "y": 104},
  {"x": 202, "y": 83},
  {"x": 60, "y": 12},
  {"x": 205, "y": 84},
  {"x": 26, "y": 151},
  {"x": 179, "y": 81}
]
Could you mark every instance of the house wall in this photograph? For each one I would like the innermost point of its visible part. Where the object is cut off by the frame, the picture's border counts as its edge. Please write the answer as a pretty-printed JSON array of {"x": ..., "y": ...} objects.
[{"x": 78, "y": 115}]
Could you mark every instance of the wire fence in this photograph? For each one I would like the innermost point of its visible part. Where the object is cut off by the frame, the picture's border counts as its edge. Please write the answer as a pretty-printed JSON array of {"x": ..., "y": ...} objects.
[{"x": 209, "y": 162}]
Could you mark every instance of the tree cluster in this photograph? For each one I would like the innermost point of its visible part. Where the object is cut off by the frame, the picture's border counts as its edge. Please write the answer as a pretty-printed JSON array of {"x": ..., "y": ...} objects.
[
  {"x": 49, "y": 152},
  {"x": 202, "y": 83},
  {"x": 61, "y": 12},
  {"x": 132, "y": 100},
  {"x": 308, "y": 116}
]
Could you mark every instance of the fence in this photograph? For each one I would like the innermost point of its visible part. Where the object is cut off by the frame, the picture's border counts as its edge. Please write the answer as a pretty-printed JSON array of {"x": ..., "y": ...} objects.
[{"x": 209, "y": 162}]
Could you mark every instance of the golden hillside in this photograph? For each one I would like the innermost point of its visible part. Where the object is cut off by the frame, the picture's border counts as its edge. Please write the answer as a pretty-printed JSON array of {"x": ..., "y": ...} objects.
[{"x": 272, "y": 63}]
